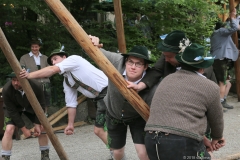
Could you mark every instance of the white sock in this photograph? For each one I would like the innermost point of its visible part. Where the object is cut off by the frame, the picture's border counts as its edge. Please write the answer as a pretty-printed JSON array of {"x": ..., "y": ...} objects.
[
  {"x": 111, "y": 153},
  {"x": 6, "y": 153},
  {"x": 222, "y": 100},
  {"x": 124, "y": 157},
  {"x": 43, "y": 148}
]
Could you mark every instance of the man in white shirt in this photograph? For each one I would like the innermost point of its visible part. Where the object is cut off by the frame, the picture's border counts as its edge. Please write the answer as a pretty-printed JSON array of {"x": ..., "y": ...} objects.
[
  {"x": 34, "y": 61},
  {"x": 79, "y": 76}
]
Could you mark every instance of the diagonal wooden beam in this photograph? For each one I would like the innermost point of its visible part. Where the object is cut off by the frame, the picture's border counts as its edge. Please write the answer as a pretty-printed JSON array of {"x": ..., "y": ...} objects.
[
  {"x": 226, "y": 15},
  {"x": 8, "y": 52},
  {"x": 97, "y": 56},
  {"x": 237, "y": 62},
  {"x": 119, "y": 26},
  {"x": 232, "y": 157},
  {"x": 54, "y": 118}
]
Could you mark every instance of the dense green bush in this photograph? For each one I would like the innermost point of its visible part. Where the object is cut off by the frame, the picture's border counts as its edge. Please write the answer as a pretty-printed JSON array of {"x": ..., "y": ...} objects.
[{"x": 144, "y": 22}]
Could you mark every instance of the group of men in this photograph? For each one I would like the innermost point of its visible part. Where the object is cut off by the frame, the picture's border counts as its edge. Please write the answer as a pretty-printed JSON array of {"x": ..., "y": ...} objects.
[{"x": 182, "y": 106}]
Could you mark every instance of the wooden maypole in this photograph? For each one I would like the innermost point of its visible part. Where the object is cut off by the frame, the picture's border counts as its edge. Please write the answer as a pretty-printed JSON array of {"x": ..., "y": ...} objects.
[
  {"x": 237, "y": 62},
  {"x": 119, "y": 26},
  {"x": 8, "y": 52},
  {"x": 97, "y": 56}
]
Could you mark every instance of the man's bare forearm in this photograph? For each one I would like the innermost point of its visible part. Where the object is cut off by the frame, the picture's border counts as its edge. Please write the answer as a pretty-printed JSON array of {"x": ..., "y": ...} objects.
[
  {"x": 71, "y": 115},
  {"x": 42, "y": 73}
]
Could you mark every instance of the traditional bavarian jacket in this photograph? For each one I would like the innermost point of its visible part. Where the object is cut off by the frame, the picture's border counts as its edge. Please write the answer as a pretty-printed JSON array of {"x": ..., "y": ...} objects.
[
  {"x": 77, "y": 70},
  {"x": 28, "y": 61},
  {"x": 222, "y": 45},
  {"x": 117, "y": 106},
  {"x": 183, "y": 104},
  {"x": 15, "y": 102}
]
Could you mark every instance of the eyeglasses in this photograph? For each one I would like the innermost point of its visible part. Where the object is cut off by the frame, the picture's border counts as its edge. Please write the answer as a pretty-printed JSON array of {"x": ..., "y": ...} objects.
[{"x": 137, "y": 64}]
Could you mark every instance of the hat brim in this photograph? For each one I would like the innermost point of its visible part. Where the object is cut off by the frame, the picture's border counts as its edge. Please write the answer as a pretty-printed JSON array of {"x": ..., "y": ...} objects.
[
  {"x": 163, "y": 48},
  {"x": 137, "y": 55},
  {"x": 204, "y": 64},
  {"x": 11, "y": 75},
  {"x": 53, "y": 54}
]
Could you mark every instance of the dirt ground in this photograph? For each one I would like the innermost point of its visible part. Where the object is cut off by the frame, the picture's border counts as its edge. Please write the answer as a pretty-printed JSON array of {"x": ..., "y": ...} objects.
[{"x": 84, "y": 145}]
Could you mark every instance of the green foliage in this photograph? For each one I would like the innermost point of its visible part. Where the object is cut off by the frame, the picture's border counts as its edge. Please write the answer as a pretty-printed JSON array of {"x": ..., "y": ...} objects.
[
  {"x": 24, "y": 20},
  {"x": 196, "y": 18}
]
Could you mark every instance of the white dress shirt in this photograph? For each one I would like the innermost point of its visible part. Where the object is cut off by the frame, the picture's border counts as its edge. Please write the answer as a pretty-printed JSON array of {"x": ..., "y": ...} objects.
[{"x": 84, "y": 72}]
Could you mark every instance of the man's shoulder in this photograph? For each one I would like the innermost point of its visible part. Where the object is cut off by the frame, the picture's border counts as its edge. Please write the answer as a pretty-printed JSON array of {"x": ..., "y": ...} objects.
[
  {"x": 35, "y": 84},
  {"x": 74, "y": 56},
  {"x": 112, "y": 56},
  {"x": 25, "y": 56},
  {"x": 44, "y": 56},
  {"x": 205, "y": 82},
  {"x": 7, "y": 90},
  {"x": 211, "y": 84},
  {"x": 7, "y": 86}
]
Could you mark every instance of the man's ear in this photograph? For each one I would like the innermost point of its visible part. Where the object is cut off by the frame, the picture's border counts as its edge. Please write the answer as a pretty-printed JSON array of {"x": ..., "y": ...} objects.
[{"x": 146, "y": 66}]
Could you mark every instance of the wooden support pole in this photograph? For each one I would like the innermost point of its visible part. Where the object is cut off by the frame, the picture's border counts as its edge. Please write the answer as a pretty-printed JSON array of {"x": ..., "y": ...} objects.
[
  {"x": 232, "y": 157},
  {"x": 97, "y": 56},
  {"x": 236, "y": 2},
  {"x": 53, "y": 116},
  {"x": 59, "y": 114},
  {"x": 119, "y": 26},
  {"x": 76, "y": 124},
  {"x": 8, "y": 52},
  {"x": 237, "y": 62},
  {"x": 225, "y": 15},
  {"x": 55, "y": 120},
  {"x": 80, "y": 99},
  {"x": 64, "y": 113}
]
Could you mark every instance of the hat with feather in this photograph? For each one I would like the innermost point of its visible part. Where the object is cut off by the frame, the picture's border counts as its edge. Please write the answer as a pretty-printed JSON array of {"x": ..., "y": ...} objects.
[
  {"x": 195, "y": 55},
  {"x": 59, "y": 51}
]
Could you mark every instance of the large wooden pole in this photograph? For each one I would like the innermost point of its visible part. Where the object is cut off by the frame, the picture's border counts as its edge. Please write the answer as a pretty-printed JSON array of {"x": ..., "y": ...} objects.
[
  {"x": 224, "y": 16},
  {"x": 119, "y": 26},
  {"x": 237, "y": 62},
  {"x": 97, "y": 56},
  {"x": 232, "y": 157},
  {"x": 8, "y": 52}
]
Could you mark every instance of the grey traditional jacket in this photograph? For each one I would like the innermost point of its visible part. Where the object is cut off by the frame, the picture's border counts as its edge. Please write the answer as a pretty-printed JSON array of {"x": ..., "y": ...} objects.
[
  {"x": 15, "y": 102},
  {"x": 222, "y": 45},
  {"x": 117, "y": 106},
  {"x": 189, "y": 102},
  {"x": 29, "y": 63},
  {"x": 162, "y": 68}
]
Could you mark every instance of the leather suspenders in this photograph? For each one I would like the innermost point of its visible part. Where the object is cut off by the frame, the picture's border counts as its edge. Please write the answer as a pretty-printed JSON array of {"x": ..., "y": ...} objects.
[{"x": 79, "y": 83}]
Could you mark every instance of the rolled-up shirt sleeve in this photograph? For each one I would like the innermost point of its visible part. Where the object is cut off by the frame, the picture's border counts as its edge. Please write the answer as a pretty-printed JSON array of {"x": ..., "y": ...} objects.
[{"x": 70, "y": 96}]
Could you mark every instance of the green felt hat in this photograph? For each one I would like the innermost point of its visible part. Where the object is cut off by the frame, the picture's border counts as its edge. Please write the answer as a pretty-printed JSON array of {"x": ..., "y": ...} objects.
[
  {"x": 195, "y": 55},
  {"x": 11, "y": 75},
  {"x": 140, "y": 52},
  {"x": 171, "y": 42},
  {"x": 59, "y": 51}
]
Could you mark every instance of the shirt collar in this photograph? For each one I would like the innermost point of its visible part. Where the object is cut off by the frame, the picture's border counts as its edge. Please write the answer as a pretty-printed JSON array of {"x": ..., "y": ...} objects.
[
  {"x": 179, "y": 68},
  {"x": 200, "y": 74},
  {"x": 31, "y": 54},
  {"x": 136, "y": 82},
  {"x": 22, "y": 92}
]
